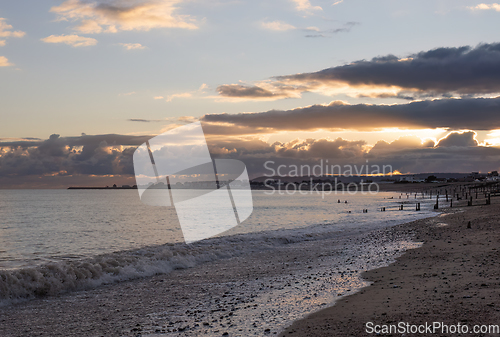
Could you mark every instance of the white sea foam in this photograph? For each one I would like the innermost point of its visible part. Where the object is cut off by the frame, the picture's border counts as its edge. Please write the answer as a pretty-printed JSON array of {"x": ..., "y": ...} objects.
[
  {"x": 276, "y": 221},
  {"x": 77, "y": 274}
]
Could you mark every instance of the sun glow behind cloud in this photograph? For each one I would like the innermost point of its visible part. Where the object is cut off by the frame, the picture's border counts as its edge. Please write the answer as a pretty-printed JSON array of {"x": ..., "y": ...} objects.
[
  {"x": 372, "y": 137},
  {"x": 493, "y": 138},
  {"x": 380, "y": 91}
]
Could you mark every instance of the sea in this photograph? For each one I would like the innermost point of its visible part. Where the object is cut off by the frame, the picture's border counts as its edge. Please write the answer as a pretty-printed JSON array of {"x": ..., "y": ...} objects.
[{"x": 56, "y": 242}]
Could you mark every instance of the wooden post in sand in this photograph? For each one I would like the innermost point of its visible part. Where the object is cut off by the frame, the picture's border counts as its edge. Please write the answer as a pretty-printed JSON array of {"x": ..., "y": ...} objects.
[
  {"x": 446, "y": 195},
  {"x": 451, "y": 203},
  {"x": 436, "y": 206}
]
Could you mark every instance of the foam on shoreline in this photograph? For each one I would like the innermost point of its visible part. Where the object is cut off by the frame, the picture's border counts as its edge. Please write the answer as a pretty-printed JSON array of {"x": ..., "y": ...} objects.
[{"x": 79, "y": 274}]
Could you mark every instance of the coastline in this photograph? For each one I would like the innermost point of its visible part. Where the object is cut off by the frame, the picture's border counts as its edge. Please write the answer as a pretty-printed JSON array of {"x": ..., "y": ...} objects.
[
  {"x": 453, "y": 277},
  {"x": 244, "y": 294},
  {"x": 257, "y": 293}
]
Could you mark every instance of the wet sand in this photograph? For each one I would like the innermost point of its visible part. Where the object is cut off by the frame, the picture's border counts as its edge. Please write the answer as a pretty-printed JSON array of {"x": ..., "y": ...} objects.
[{"x": 454, "y": 277}]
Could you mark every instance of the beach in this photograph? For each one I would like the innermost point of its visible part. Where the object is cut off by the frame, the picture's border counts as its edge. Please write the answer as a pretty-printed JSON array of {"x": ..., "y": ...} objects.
[
  {"x": 247, "y": 284},
  {"x": 260, "y": 284},
  {"x": 244, "y": 168},
  {"x": 454, "y": 277},
  {"x": 254, "y": 294}
]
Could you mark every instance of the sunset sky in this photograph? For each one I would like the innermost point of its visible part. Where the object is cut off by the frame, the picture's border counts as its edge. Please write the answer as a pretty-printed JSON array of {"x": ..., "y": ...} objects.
[{"x": 413, "y": 84}]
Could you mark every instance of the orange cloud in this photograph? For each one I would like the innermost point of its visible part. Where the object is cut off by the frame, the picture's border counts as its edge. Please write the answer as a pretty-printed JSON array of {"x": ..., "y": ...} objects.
[
  {"x": 131, "y": 46},
  {"x": 181, "y": 95},
  {"x": 493, "y": 6},
  {"x": 4, "y": 62},
  {"x": 305, "y": 6},
  {"x": 115, "y": 16},
  {"x": 6, "y": 30},
  {"x": 71, "y": 40},
  {"x": 279, "y": 26}
]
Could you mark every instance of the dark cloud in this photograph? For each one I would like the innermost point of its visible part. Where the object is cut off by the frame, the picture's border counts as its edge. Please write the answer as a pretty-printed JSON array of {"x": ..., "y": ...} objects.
[
  {"x": 321, "y": 148},
  {"x": 406, "y": 154},
  {"x": 106, "y": 159},
  {"x": 88, "y": 154},
  {"x": 403, "y": 143},
  {"x": 112, "y": 139},
  {"x": 443, "y": 72},
  {"x": 143, "y": 120},
  {"x": 301, "y": 149},
  {"x": 28, "y": 138},
  {"x": 329, "y": 32},
  {"x": 464, "y": 70},
  {"x": 242, "y": 91},
  {"x": 232, "y": 130},
  {"x": 315, "y": 35},
  {"x": 439, "y": 159},
  {"x": 474, "y": 114},
  {"x": 256, "y": 153}
]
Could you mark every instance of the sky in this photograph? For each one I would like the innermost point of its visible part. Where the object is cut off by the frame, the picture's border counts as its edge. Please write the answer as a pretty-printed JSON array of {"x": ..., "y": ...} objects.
[{"x": 411, "y": 84}]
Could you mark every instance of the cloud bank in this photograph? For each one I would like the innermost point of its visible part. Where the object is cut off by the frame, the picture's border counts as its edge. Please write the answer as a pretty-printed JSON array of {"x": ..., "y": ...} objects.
[
  {"x": 454, "y": 153},
  {"x": 90, "y": 155},
  {"x": 442, "y": 72},
  {"x": 471, "y": 113},
  {"x": 108, "y": 158}
]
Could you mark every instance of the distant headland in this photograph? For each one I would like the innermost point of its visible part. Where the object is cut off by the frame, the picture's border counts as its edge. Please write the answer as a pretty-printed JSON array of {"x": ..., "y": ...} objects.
[{"x": 114, "y": 187}]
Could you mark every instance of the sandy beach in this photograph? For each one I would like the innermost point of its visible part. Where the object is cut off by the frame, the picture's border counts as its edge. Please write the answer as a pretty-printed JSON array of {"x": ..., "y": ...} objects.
[
  {"x": 454, "y": 277},
  {"x": 249, "y": 168},
  {"x": 240, "y": 285},
  {"x": 256, "y": 294}
]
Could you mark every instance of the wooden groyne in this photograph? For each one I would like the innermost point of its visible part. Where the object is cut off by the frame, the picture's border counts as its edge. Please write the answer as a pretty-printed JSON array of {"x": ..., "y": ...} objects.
[{"x": 458, "y": 195}]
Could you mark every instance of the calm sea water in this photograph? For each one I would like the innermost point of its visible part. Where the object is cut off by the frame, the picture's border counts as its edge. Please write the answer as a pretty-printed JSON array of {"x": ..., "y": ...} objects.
[{"x": 42, "y": 226}]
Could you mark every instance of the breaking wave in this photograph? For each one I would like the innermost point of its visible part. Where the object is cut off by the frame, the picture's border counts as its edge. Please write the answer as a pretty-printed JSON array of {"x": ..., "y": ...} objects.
[
  {"x": 80, "y": 274},
  {"x": 86, "y": 273}
]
